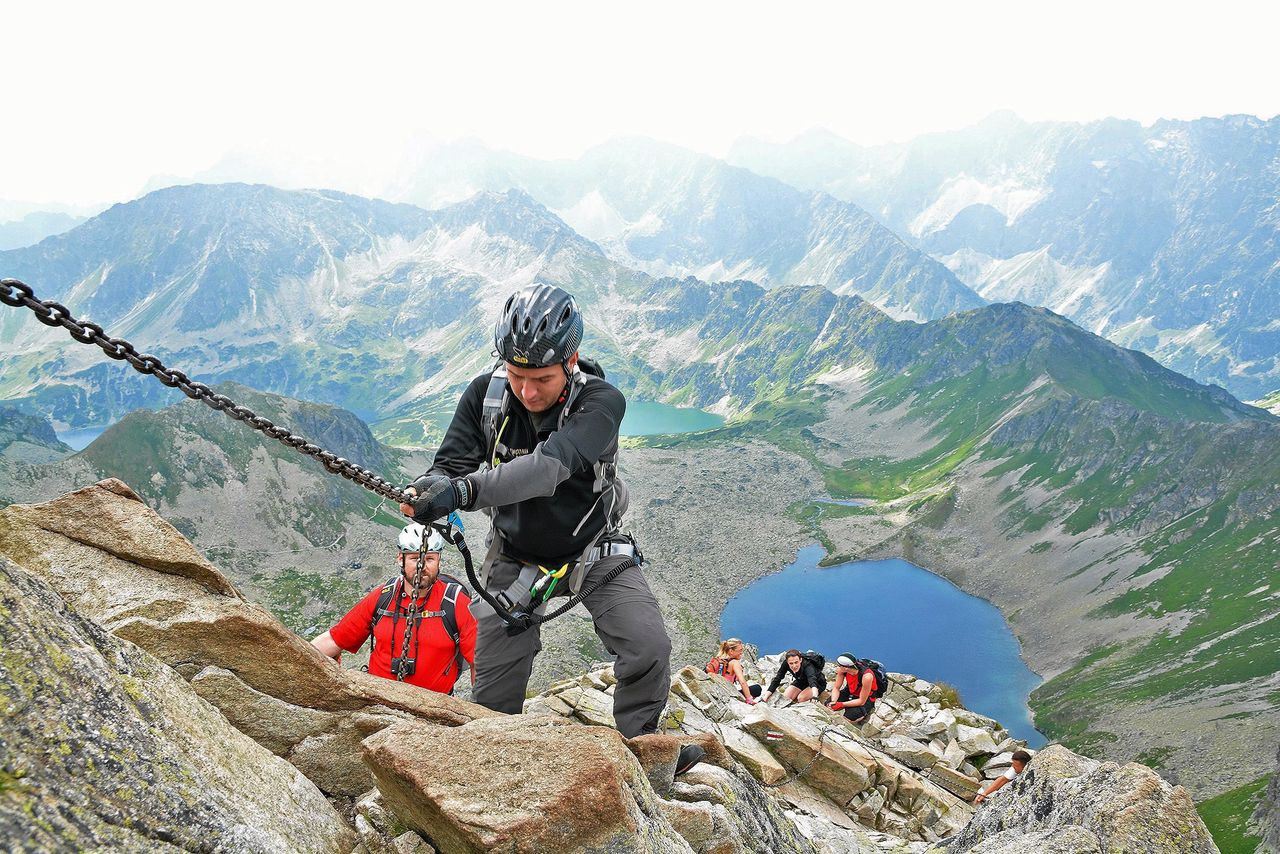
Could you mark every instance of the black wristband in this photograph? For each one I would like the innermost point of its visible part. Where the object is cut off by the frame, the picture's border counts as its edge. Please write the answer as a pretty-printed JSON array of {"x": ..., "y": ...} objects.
[{"x": 465, "y": 492}]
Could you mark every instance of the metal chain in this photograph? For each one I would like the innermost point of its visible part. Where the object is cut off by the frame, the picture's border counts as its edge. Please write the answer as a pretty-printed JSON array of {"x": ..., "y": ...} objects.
[
  {"x": 412, "y": 614},
  {"x": 797, "y": 775},
  {"x": 50, "y": 313}
]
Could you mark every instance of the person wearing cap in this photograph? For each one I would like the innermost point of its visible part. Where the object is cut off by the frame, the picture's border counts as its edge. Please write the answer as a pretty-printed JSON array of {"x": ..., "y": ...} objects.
[
  {"x": 441, "y": 636},
  {"x": 850, "y": 692}
]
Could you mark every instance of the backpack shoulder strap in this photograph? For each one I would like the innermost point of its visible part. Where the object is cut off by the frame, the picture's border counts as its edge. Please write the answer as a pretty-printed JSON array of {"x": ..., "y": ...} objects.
[
  {"x": 385, "y": 606},
  {"x": 449, "y": 604},
  {"x": 493, "y": 412},
  {"x": 868, "y": 666},
  {"x": 449, "y": 617}
]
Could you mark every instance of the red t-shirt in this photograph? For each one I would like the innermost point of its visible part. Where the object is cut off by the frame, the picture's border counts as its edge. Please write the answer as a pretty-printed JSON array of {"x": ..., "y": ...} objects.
[{"x": 435, "y": 670}]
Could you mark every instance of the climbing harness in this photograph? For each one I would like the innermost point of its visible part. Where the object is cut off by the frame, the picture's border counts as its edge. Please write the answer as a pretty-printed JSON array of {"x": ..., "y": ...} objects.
[
  {"x": 50, "y": 313},
  {"x": 519, "y": 612}
]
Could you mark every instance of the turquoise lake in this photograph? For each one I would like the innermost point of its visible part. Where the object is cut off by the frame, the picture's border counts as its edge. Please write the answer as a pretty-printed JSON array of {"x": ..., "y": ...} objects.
[
  {"x": 646, "y": 418},
  {"x": 643, "y": 418},
  {"x": 907, "y": 618},
  {"x": 80, "y": 438}
]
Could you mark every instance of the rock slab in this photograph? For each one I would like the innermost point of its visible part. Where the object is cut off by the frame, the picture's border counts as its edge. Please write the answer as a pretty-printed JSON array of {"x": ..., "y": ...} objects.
[
  {"x": 1064, "y": 802},
  {"x": 104, "y": 748},
  {"x": 149, "y": 585},
  {"x": 520, "y": 785}
]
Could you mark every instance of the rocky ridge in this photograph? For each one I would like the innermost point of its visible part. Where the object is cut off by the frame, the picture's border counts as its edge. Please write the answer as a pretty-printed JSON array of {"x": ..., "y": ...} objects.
[
  {"x": 908, "y": 773},
  {"x": 1161, "y": 237},
  {"x": 28, "y": 439},
  {"x": 449, "y": 775}
]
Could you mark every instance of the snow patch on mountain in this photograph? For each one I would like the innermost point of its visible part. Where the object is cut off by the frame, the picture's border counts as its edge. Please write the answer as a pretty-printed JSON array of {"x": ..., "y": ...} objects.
[
  {"x": 594, "y": 218},
  {"x": 671, "y": 351},
  {"x": 883, "y": 302},
  {"x": 1011, "y": 197},
  {"x": 1035, "y": 278}
]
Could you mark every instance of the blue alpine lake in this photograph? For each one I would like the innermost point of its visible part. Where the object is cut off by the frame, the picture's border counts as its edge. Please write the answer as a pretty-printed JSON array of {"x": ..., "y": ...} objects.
[
  {"x": 647, "y": 418},
  {"x": 907, "y": 618},
  {"x": 80, "y": 438}
]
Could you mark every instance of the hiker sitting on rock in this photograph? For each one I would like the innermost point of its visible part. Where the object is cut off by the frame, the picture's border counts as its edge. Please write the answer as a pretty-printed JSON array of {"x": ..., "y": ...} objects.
[
  {"x": 807, "y": 681},
  {"x": 728, "y": 663},
  {"x": 534, "y": 443},
  {"x": 1019, "y": 762},
  {"x": 855, "y": 688},
  {"x": 428, "y": 650}
]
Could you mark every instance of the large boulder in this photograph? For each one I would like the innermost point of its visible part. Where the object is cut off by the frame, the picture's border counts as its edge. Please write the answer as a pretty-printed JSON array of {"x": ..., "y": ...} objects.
[
  {"x": 835, "y": 767},
  {"x": 520, "y": 784},
  {"x": 744, "y": 819},
  {"x": 124, "y": 567},
  {"x": 1065, "y": 802},
  {"x": 102, "y": 747}
]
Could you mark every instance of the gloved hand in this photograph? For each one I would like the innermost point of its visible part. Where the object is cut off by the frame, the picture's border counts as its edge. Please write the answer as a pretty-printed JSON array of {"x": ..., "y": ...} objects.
[
  {"x": 836, "y": 706},
  {"x": 437, "y": 496},
  {"x": 765, "y": 697}
]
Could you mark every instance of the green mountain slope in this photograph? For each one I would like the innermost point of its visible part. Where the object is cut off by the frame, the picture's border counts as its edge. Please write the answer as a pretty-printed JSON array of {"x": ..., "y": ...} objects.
[
  {"x": 302, "y": 541},
  {"x": 1137, "y": 508}
]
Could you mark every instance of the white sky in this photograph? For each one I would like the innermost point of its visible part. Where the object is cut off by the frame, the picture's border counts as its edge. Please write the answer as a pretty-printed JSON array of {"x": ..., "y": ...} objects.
[{"x": 97, "y": 98}]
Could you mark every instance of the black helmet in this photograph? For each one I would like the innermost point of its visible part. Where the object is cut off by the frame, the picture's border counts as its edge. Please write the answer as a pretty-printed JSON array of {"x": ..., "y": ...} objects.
[{"x": 539, "y": 326}]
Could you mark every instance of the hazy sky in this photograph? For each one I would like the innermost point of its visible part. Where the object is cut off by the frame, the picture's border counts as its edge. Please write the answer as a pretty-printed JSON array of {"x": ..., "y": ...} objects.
[{"x": 99, "y": 97}]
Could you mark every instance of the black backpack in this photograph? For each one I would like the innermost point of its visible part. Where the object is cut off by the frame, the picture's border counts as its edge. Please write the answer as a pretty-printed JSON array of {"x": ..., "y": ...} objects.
[
  {"x": 819, "y": 662},
  {"x": 882, "y": 678},
  {"x": 448, "y": 613},
  {"x": 590, "y": 366},
  {"x": 814, "y": 658}
]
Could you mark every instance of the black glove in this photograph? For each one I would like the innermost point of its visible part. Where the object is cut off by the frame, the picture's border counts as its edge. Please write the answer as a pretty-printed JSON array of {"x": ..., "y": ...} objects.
[{"x": 438, "y": 496}]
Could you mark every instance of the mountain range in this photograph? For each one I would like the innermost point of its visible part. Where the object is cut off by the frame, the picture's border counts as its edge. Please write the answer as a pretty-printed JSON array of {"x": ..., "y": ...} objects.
[
  {"x": 1120, "y": 514},
  {"x": 1160, "y": 237}
]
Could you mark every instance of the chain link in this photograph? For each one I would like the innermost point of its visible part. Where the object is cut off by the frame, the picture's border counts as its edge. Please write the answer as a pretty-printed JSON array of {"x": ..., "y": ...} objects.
[
  {"x": 50, "y": 313},
  {"x": 412, "y": 617},
  {"x": 822, "y": 736}
]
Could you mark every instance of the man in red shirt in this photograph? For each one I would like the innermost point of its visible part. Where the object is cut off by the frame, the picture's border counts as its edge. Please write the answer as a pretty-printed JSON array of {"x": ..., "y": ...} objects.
[{"x": 442, "y": 639}]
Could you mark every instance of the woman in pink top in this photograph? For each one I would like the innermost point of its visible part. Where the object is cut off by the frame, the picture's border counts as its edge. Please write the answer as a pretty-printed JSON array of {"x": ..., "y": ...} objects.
[{"x": 728, "y": 663}]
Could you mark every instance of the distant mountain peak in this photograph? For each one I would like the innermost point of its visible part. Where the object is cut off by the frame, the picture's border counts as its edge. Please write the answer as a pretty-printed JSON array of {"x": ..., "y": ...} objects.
[{"x": 514, "y": 214}]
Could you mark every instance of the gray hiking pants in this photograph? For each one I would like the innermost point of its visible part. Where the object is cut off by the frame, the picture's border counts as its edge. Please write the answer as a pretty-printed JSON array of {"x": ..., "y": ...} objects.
[{"x": 628, "y": 623}]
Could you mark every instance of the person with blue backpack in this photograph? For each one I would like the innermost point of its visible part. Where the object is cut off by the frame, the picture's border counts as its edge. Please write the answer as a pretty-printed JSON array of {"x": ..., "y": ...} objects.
[{"x": 420, "y": 620}]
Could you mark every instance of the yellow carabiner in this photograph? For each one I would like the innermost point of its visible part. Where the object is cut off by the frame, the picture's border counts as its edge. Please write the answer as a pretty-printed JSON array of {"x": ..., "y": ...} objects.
[{"x": 559, "y": 573}]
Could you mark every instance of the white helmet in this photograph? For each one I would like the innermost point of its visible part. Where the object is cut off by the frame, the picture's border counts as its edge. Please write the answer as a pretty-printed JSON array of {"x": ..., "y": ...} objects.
[{"x": 411, "y": 538}]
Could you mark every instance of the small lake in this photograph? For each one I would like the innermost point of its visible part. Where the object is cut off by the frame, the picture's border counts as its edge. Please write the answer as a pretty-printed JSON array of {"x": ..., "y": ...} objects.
[
  {"x": 647, "y": 418},
  {"x": 907, "y": 618},
  {"x": 80, "y": 438}
]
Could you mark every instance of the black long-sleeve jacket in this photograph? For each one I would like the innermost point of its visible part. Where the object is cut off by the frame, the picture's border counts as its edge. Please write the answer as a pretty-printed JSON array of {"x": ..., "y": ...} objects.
[
  {"x": 808, "y": 676},
  {"x": 544, "y": 485}
]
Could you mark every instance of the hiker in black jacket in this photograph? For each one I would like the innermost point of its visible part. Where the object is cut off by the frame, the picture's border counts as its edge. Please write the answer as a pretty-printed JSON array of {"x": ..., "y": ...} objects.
[
  {"x": 535, "y": 443},
  {"x": 807, "y": 681}
]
